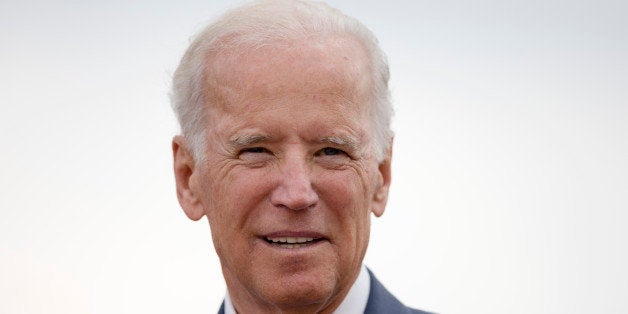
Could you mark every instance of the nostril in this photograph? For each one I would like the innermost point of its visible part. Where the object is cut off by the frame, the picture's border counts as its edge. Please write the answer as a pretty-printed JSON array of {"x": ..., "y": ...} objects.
[{"x": 297, "y": 208}]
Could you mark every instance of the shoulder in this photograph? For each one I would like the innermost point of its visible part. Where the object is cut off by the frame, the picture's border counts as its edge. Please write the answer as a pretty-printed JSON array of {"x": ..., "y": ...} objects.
[{"x": 382, "y": 301}]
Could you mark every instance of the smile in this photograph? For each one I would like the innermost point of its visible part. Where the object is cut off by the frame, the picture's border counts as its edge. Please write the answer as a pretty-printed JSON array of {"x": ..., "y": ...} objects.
[{"x": 291, "y": 242}]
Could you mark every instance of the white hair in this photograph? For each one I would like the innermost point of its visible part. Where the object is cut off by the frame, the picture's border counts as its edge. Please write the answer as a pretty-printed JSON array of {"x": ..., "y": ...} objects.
[{"x": 259, "y": 23}]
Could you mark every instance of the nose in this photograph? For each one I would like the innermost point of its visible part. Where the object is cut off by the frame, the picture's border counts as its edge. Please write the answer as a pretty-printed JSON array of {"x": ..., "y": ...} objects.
[{"x": 295, "y": 187}]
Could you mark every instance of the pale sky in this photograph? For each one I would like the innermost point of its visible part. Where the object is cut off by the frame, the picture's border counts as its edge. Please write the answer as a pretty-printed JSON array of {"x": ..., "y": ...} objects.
[{"x": 510, "y": 171}]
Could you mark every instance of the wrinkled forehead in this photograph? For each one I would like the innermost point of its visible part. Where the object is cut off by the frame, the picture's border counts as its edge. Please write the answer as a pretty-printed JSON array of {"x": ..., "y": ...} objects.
[{"x": 336, "y": 65}]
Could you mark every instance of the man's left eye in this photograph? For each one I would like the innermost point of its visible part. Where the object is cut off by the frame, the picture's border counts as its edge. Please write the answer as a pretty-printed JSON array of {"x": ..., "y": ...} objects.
[{"x": 330, "y": 151}]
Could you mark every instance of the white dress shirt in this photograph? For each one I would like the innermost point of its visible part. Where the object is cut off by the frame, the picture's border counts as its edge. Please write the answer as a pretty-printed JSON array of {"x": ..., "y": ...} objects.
[{"x": 354, "y": 302}]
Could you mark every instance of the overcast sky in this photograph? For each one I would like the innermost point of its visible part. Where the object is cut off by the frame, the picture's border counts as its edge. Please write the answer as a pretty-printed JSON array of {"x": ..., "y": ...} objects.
[{"x": 510, "y": 177}]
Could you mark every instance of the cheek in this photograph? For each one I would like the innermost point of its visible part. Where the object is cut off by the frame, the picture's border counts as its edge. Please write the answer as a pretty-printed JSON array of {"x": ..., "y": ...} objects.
[
  {"x": 233, "y": 202},
  {"x": 235, "y": 194},
  {"x": 345, "y": 193},
  {"x": 347, "y": 198}
]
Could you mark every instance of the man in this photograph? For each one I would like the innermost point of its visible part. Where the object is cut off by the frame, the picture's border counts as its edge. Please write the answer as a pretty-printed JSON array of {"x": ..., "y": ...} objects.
[{"x": 286, "y": 148}]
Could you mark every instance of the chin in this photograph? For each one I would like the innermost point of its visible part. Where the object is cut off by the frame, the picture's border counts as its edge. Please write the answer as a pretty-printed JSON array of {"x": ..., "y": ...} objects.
[
  {"x": 304, "y": 296},
  {"x": 308, "y": 288}
]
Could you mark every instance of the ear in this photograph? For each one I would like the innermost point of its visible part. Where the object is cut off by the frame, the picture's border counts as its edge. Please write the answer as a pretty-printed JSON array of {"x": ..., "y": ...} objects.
[
  {"x": 184, "y": 167},
  {"x": 381, "y": 190}
]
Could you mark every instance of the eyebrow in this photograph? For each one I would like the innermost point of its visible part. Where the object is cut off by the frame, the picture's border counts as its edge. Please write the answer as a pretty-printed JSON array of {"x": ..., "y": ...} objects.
[
  {"x": 341, "y": 141},
  {"x": 242, "y": 140}
]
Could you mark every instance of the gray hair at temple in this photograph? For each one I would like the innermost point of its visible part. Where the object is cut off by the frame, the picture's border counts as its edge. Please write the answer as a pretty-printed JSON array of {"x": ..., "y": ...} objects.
[{"x": 260, "y": 23}]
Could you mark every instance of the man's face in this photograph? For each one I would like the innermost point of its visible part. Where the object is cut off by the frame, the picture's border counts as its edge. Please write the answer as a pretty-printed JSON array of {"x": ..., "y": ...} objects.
[{"x": 289, "y": 177}]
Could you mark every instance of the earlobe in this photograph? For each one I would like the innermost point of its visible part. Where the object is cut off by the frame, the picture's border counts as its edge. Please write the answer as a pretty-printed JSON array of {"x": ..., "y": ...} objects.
[
  {"x": 184, "y": 167},
  {"x": 381, "y": 193}
]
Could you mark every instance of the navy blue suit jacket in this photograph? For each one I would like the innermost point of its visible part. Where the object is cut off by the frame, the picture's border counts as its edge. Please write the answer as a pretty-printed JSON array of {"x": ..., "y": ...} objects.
[{"x": 380, "y": 301}]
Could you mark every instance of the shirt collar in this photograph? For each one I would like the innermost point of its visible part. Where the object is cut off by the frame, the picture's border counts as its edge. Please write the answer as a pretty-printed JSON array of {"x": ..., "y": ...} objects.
[{"x": 354, "y": 302}]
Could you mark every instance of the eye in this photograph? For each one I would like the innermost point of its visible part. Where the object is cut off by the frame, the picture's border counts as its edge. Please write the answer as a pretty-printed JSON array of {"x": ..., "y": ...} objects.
[
  {"x": 255, "y": 156},
  {"x": 332, "y": 158},
  {"x": 254, "y": 150},
  {"x": 330, "y": 151}
]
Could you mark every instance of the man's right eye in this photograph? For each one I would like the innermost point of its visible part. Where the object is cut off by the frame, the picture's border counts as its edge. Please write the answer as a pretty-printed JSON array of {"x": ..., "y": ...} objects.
[
  {"x": 254, "y": 150},
  {"x": 255, "y": 156}
]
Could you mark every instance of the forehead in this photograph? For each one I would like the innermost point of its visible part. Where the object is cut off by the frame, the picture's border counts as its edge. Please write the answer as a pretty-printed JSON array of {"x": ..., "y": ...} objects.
[{"x": 333, "y": 65}]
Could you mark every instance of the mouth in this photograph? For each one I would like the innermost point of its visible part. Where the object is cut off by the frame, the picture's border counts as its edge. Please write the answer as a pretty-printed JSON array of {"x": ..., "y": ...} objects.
[{"x": 292, "y": 242}]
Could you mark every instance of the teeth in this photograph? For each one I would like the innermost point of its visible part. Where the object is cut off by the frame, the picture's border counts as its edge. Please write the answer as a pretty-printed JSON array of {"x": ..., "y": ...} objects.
[{"x": 291, "y": 240}]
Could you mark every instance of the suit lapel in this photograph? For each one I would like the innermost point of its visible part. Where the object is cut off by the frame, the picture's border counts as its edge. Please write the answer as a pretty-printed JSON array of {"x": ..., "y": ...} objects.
[{"x": 381, "y": 301}]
